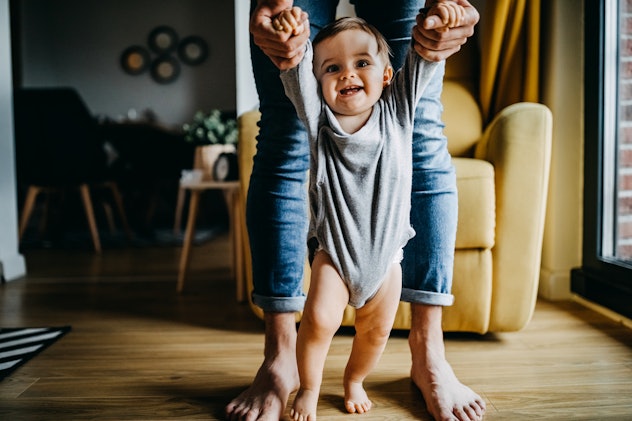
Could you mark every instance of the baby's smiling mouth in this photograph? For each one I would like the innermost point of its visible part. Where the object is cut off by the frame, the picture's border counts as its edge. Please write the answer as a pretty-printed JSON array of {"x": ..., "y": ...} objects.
[{"x": 350, "y": 90}]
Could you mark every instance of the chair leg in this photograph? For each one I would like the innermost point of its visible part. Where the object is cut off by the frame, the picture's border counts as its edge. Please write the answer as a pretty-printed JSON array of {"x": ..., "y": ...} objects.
[
  {"x": 229, "y": 199},
  {"x": 109, "y": 217},
  {"x": 194, "y": 202},
  {"x": 27, "y": 210},
  {"x": 87, "y": 204},
  {"x": 118, "y": 201},
  {"x": 48, "y": 196},
  {"x": 177, "y": 223},
  {"x": 238, "y": 247},
  {"x": 153, "y": 204}
]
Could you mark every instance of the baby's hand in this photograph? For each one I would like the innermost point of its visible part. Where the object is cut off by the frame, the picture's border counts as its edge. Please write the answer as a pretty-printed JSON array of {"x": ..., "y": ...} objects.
[
  {"x": 449, "y": 13},
  {"x": 290, "y": 21}
]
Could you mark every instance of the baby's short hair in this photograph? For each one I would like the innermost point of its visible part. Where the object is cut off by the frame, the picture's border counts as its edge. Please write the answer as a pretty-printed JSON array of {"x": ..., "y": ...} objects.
[{"x": 349, "y": 23}]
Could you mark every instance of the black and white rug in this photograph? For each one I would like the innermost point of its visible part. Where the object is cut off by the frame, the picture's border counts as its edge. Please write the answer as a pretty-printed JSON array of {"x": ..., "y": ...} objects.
[{"x": 18, "y": 345}]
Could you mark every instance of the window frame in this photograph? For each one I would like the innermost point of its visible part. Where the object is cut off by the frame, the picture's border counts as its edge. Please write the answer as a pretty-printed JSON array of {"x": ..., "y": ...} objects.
[{"x": 600, "y": 279}]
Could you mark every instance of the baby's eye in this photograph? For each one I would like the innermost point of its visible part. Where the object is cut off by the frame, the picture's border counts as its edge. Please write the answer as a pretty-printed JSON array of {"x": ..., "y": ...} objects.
[
  {"x": 363, "y": 63},
  {"x": 332, "y": 68}
]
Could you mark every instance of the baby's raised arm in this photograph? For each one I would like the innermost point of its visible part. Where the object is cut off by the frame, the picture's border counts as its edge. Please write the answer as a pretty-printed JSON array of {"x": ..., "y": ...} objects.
[
  {"x": 450, "y": 14},
  {"x": 290, "y": 21}
]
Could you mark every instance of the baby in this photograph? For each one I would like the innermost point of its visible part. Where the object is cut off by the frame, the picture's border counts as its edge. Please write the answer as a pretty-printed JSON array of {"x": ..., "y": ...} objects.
[{"x": 359, "y": 118}]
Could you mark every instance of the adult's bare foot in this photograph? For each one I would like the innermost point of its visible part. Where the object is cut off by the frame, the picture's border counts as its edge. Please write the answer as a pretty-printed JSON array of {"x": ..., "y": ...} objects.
[
  {"x": 447, "y": 399},
  {"x": 266, "y": 398}
]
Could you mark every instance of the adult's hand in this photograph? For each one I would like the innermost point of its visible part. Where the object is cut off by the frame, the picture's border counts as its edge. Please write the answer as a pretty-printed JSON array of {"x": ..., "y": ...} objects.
[
  {"x": 284, "y": 49},
  {"x": 436, "y": 45}
]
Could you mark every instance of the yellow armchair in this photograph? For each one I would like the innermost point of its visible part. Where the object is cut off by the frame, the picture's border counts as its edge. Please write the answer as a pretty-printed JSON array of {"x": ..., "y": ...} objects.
[{"x": 502, "y": 179}]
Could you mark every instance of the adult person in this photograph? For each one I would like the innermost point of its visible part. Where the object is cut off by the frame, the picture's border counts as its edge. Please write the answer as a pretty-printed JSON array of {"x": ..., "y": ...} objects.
[
  {"x": 359, "y": 117},
  {"x": 277, "y": 206}
]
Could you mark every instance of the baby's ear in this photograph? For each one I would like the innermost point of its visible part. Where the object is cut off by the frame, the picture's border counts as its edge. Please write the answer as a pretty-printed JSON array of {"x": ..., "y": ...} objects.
[{"x": 388, "y": 75}]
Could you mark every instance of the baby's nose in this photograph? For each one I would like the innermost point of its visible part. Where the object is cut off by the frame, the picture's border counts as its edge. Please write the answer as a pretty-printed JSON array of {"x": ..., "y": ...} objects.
[{"x": 347, "y": 74}]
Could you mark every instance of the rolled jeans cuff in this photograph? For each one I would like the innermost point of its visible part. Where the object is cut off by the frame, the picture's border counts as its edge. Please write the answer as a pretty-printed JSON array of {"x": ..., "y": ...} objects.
[
  {"x": 279, "y": 304},
  {"x": 425, "y": 297}
]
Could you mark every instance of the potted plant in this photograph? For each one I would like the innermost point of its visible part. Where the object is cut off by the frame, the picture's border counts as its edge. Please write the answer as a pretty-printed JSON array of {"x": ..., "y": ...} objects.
[{"x": 215, "y": 135}]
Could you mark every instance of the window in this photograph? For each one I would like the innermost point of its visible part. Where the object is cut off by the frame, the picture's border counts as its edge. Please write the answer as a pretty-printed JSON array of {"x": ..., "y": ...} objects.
[{"x": 606, "y": 273}]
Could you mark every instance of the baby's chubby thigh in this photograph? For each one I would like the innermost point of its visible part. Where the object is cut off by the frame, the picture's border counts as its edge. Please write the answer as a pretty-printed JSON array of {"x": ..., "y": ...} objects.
[
  {"x": 378, "y": 314},
  {"x": 328, "y": 295}
]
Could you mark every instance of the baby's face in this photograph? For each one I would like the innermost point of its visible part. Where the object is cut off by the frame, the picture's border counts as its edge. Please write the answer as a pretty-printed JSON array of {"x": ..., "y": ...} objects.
[{"x": 350, "y": 72}]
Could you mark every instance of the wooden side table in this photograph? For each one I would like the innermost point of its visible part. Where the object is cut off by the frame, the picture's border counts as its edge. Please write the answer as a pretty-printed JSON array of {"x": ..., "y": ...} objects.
[{"x": 232, "y": 195}]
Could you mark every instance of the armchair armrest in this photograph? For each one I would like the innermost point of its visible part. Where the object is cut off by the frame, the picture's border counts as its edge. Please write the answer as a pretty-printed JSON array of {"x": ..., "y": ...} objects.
[
  {"x": 246, "y": 149},
  {"x": 247, "y": 146},
  {"x": 518, "y": 143}
]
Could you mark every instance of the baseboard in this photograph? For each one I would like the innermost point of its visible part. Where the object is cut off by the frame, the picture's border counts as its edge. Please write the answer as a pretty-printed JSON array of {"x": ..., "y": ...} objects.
[
  {"x": 12, "y": 267},
  {"x": 555, "y": 285},
  {"x": 616, "y": 317}
]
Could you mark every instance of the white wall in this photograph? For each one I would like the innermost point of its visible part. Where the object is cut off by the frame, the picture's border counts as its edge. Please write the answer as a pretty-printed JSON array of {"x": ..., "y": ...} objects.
[
  {"x": 78, "y": 43},
  {"x": 563, "y": 93},
  {"x": 246, "y": 90},
  {"x": 11, "y": 262}
]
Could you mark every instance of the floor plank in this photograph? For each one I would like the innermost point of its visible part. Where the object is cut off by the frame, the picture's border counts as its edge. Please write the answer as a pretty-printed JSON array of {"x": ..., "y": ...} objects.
[{"x": 139, "y": 351}]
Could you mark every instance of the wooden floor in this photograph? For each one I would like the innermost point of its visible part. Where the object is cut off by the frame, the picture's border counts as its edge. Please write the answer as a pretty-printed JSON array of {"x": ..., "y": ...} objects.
[{"x": 138, "y": 351}]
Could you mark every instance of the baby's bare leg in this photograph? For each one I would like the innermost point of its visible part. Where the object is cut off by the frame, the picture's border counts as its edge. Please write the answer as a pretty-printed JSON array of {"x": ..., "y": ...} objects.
[
  {"x": 327, "y": 298},
  {"x": 373, "y": 325}
]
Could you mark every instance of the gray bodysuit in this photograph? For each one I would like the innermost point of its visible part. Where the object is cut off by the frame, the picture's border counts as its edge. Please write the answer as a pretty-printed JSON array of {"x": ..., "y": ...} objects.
[{"x": 360, "y": 183}]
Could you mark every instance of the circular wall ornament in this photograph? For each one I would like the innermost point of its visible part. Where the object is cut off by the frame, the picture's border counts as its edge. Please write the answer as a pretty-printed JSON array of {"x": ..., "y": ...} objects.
[
  {"x": 135, "y": 60},
  {"x": 165, "y": 69},
  {"x": 193, "y": 50},
  {"x": 163, "y": 39}
]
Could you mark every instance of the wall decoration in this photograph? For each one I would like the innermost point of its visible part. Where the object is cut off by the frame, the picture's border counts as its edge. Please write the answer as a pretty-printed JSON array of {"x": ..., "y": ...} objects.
[
  {"x": 135, "y": 60},
  {"x": 192, "y": 50},
  {"x": 163, "y": 39},
  {"x": 165, "y": 69},
  {"x": 168, "y": 52}
]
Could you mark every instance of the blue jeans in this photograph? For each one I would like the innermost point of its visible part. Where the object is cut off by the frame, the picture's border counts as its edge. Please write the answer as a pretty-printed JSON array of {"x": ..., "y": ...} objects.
[{"x": 277, "y": 213}]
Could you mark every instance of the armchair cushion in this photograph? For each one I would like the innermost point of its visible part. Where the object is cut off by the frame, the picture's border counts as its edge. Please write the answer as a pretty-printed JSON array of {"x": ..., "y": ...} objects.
[
  {"x": 477, "y": 205},
  {"x": 462, "y": 118}
]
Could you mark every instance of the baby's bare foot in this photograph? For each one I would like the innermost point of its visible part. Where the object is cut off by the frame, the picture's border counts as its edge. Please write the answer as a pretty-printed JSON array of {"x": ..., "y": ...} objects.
[
  {"x": 304, "y": 407},
  {"x": 356, "y": 399}
]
